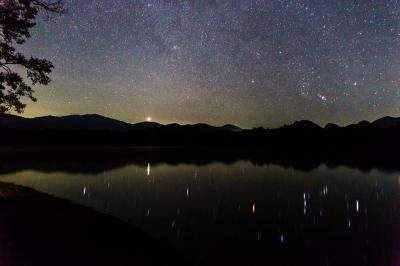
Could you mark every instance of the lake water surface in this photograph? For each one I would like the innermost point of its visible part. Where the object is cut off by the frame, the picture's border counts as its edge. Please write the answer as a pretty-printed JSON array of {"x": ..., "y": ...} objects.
[{"x": 241, "y": 213}]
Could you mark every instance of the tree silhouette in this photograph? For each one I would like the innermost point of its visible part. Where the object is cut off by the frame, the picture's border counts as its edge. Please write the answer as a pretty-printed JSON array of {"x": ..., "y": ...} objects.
[{"x": 17, "y": 17}]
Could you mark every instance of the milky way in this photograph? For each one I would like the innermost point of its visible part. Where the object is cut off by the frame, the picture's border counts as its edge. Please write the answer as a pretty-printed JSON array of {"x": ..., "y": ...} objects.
[{"x": 247, "y": 62}]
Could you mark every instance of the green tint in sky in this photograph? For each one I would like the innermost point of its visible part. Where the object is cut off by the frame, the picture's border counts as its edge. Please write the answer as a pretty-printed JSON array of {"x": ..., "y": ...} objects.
[{"x": 251, "y": 63}]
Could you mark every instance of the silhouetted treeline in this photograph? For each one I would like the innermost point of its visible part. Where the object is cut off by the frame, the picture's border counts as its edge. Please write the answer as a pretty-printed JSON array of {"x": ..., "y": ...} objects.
[
  {"x": 302, "y": 145},
  {"x": 95, "y": 160},
  {"x": 301, "y": 136}
]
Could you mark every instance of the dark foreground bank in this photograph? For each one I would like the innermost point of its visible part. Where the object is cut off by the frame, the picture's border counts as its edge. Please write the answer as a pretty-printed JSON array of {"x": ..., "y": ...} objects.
[{"x": 38, "y": 229}]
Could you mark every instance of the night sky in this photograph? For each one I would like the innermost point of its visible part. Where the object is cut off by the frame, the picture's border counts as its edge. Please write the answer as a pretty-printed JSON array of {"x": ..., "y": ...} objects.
[{"x": 247, "y": 62}]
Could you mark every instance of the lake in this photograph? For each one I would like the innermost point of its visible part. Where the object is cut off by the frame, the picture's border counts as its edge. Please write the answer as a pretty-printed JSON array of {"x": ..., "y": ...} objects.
[{"x": 237, "y": 211}]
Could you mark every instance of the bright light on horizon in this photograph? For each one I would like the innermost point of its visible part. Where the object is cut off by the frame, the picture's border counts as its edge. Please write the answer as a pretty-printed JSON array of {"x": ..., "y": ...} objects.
[{"x": 148, "y": 119}]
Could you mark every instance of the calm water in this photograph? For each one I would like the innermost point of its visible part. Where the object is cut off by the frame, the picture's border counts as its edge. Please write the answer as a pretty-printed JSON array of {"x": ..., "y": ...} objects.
[{"x": 240, "y": 213}]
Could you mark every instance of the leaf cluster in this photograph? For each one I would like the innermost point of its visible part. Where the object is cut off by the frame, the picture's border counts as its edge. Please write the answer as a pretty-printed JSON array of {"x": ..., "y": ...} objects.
[{"x": 17, "y": 17}]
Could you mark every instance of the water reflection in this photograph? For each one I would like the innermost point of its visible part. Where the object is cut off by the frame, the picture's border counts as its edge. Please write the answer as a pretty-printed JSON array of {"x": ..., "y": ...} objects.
[{"x": 240, "y": 213}]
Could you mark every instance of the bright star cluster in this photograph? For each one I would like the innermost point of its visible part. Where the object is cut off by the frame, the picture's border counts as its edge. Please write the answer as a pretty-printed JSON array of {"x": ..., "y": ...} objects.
[{"x": 251, "y": 63}]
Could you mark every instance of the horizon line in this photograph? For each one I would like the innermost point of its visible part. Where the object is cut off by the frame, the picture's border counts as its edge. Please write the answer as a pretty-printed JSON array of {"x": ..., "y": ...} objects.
[{"x": 198, "y": 123}]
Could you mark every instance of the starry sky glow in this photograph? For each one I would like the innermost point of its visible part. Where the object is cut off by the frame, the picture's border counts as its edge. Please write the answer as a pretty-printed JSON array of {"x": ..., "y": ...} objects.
[{"x": 247, "y": 62}]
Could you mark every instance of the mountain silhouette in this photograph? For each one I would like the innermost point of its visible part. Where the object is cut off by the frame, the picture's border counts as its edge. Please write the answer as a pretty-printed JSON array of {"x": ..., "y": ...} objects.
[
  {"x": 145, "y": 125},
  {"x": 387, "y": 122},
  {"x": 95, "y": 122},
  {"x": 69, "y": 122},
  {"x": 362, "y": 144},
  {"x": 231, "y": 128}
]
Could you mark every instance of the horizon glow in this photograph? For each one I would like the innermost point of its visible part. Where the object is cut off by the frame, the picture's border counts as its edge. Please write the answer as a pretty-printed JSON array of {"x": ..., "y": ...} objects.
[{"x": 249, "y": 63}]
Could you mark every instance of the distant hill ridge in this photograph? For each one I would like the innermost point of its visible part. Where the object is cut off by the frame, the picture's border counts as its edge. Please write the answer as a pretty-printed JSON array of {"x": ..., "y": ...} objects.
[
  {"x": 91, "y": 122},
  {"x": 99, "y": 122},
  {"x": 387, "y": 122},
  {"x": 380, "y": 136}
]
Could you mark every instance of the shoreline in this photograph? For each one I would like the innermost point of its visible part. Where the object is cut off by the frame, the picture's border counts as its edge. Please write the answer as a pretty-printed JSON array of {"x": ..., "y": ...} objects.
[
  {"x": 78, "y": 159},
  {"x": 39, "y": 229}
]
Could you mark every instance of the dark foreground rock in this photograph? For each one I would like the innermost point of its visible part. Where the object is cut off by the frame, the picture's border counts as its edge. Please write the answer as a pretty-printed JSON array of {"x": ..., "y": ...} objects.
[{"x": 38, "y": 229}]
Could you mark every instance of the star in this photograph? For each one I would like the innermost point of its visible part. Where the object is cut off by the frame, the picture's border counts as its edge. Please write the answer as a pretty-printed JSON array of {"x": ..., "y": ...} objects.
[
  {"x": 135, "y": 56},
  {"x": 322, "y": 97}
]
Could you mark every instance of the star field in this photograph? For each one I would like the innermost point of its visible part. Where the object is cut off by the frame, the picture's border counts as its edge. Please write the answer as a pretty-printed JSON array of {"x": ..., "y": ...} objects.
[{"x": 251, "y": 63}]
